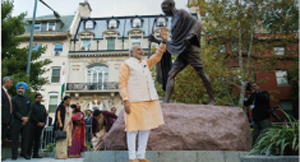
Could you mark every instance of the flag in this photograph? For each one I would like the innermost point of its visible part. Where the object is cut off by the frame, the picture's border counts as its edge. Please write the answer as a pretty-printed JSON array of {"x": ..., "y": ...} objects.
[{"x": 63, "y": 83}]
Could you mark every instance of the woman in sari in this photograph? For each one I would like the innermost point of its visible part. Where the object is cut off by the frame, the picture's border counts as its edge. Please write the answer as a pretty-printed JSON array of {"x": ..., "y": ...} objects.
[
  {"x": 77, "y": 125},
  {"x": 62, "y": 117},
  {"x": 101, "y": 124}
]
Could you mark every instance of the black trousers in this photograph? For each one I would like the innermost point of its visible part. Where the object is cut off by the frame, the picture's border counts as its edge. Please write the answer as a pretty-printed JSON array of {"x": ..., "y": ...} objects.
[
  {"x": 35, "y": 139},
  {"x": 25, "y": 134},
  {"x": 260, "y": 126},
  {"x": 4, "y": 132}
]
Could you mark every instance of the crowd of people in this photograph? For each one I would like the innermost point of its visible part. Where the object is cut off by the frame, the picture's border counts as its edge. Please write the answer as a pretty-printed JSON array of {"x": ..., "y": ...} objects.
[
  {"x": 137, "y": 90},
  {"x": 22, "y": 118},
  {"x": 74, "y": 124},
  {"x": 141, "y": 105}
]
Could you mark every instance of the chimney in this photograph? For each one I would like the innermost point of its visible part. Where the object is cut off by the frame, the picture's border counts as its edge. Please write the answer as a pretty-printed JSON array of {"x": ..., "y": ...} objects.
[{"x": 84, "y": 9}]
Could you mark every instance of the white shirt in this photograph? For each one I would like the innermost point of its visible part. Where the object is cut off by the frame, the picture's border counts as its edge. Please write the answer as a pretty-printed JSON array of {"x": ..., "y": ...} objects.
[{"x": 4, "y": 88}]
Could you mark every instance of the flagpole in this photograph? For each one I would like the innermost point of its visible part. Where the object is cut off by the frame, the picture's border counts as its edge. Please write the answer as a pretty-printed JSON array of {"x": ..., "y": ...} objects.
[{"x": 63, "y": 83}]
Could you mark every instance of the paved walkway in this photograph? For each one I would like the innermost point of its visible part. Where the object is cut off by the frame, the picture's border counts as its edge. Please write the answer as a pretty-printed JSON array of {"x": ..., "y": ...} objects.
[{"x": 46, "y": 159}]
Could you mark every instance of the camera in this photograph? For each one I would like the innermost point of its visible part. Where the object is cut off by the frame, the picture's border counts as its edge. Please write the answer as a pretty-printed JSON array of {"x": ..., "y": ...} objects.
[{"x": 249, "y": 87}]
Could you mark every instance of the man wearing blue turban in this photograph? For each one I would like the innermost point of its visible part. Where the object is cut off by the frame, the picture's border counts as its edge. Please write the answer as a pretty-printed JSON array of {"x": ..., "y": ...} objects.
[
  {"x": 22, "y": 84},
  {"x": 20, "y": 121}
]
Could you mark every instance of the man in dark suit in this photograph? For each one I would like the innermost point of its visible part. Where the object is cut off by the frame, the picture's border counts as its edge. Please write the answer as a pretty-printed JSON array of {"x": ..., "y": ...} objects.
[
  {"x": 20, "y": 121},
  {"x": 37, "y": 122},
  {"x": 6, "y": 106}
]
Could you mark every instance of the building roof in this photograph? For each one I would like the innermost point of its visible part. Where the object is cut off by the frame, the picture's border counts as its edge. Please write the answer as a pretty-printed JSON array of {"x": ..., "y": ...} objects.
[
  {"x": 125, "y": 25},
  {"x": 66, "y": 19}
]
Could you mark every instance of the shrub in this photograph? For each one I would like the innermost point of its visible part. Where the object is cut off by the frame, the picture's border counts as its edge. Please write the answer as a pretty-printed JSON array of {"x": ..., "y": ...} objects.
[
  {"x": 278, "y": 140},
  {"x": 50, "y": 147}
]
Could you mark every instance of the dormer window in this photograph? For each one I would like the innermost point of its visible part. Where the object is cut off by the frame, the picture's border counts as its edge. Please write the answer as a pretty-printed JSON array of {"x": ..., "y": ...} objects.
[
  {"x": 89, "y": 25},
  {"x": 112, "y": 24},
  {"x": 51, "y": 26},
  {"x": 161, "y": 22},
  {"x": 137, "y": 23}
]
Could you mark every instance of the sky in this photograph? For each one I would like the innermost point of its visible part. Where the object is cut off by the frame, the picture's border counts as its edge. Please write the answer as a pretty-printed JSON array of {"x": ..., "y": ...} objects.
[{"x": 100, "y": 8}]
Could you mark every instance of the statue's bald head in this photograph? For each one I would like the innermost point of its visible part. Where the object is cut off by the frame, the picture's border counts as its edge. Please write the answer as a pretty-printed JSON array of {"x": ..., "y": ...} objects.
[
  {"x": 168, "y": 6},
  {"x": 172, "y": 2}
]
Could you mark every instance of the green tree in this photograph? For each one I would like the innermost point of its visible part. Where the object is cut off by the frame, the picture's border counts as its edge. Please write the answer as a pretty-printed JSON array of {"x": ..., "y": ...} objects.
[
  {"x": 14, "y": 58},
  {"x": 238, "y": 22},
  {"x": 283, "y": 17},
  {"x": 293, "y": 77},
  {"x": 189, "y": 87}
]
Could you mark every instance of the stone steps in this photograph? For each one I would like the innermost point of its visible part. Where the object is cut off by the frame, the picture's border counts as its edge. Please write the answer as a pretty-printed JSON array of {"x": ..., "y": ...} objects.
[
  {"x": 167, "y": 156},
  {"x": 270, "y": 158}
]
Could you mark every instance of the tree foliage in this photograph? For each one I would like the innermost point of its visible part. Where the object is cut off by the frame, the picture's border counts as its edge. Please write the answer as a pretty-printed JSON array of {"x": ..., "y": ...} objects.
[
  {"x": 293, "y": 77},
  {"x": 236, "y": 24},
  {"x": 14, "y": 58},
  {"x": 189, "y": 87},
  {"x": 246, "y": 26}
]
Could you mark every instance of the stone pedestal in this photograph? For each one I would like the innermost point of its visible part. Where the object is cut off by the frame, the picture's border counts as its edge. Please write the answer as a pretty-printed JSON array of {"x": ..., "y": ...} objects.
[{"x": 192, "y": 127}]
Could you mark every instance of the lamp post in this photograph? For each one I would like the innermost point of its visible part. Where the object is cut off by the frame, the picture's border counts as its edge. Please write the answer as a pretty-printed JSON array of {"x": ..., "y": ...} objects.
[{"x": 32, "y": 32}]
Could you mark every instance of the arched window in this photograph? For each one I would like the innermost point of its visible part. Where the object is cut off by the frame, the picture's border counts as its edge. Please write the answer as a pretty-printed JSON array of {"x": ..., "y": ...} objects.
[
  {"x": 137, "y": 23},
  {"x": 89, "y": 25},
  {"x": 112, "y": 24},
  {"x": 97, "y": 74},
  {"x": 161, "y": 22}
]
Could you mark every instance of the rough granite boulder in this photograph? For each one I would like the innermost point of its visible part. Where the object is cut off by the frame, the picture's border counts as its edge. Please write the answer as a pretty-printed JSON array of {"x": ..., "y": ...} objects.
[{"x": 191, "y": 127}]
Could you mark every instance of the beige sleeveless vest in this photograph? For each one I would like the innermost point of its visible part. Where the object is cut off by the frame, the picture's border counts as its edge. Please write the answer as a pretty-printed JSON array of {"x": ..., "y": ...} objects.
[{"x": 140, "y": 82}]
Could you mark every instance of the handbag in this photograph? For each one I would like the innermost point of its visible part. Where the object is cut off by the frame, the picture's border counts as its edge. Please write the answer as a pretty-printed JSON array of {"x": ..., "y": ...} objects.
[{"x": 60, "y": 134}]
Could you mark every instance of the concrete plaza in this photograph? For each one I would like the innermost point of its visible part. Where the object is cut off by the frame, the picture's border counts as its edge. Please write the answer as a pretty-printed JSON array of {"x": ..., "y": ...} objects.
[{"x": 46, "y": 159}]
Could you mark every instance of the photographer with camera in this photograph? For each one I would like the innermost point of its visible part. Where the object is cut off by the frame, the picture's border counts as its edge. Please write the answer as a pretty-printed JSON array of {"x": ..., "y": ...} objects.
[{"x": 261, "y": 110}]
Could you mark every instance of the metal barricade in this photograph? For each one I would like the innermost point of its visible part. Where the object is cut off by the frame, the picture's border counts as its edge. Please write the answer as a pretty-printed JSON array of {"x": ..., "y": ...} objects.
[{"x": 48, "y": 138}]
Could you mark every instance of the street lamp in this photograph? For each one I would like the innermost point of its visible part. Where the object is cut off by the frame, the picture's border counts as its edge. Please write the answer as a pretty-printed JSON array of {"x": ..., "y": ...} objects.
[
  {"x": 32, "y": 32},
  {"x": 54, "y": 12}
]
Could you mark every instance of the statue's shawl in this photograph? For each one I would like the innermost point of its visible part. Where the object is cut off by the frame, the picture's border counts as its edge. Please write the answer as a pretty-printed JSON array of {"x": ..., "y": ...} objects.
[{"x": 183, "y": 25}]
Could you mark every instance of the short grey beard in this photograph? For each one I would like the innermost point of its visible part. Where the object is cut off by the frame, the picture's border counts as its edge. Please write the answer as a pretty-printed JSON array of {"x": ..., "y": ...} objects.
[{"x": 20, "y": 93}]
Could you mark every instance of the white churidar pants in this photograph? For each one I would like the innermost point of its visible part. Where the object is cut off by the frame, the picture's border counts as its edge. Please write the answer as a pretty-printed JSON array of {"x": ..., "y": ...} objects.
[{"x": 131, "y": 143}]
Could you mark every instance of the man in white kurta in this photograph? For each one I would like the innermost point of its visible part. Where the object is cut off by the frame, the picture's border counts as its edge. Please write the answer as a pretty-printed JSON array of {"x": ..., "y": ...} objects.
[{"x": 141, "y": 103}]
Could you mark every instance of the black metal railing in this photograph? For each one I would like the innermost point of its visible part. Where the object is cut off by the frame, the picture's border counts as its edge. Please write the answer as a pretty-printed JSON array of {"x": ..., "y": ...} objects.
[
  {"x": 93, "y": 86},
  {"x": 48, "y": 139}
]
